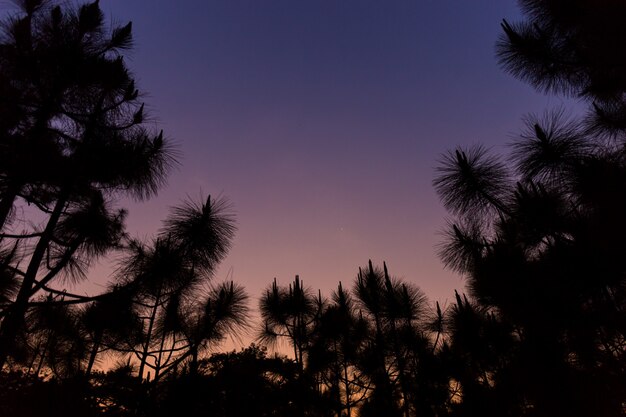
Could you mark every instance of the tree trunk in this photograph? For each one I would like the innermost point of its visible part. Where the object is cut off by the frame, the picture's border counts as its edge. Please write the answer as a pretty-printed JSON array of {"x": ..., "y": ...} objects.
[
  {"x": 347, "y": 385},
  {"x": 401, "y": 363},
  {"x": 16, "y": 312},
  {"x": 193, "y": 365},
  {"x": 157, "y": 369},
  {"x": 97, "y": 339},
  {"x": 146, "y": 346}
]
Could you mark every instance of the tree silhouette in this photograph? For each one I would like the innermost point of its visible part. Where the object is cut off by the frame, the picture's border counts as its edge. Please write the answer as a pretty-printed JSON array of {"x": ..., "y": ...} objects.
[
  {"x": 336, "y": 343},
  {"x": 110, "y": 322},
  {"x": 372, "y": 351},
  {"x": 78, "y": 142},
  {"x": 58, "y": 346},
  {"x": 221, "y": 314},
  {"x": 290, "y": 312},
  {"x": 548, "y": 263},
  {"x": 167, "y": 276},
  {"x": 244, "y": 383},
  {"x": 541, "y": 243},
  {"x": 370, "y": 292},
  {"x": 572, "y": 48},
  {"x": 399, "y": 351}
]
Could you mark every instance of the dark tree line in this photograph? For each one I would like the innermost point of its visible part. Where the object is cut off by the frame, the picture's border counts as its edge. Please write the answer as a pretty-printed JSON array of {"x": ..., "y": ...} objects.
[{"x": 538, "y": 234}]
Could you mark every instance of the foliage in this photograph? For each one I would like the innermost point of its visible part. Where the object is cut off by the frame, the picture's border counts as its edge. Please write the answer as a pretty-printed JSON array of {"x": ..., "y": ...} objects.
[
  {"x": 541, "y": 245},
  {"x": 241, "y": 384},
  {"x": 75, "y": 140}
]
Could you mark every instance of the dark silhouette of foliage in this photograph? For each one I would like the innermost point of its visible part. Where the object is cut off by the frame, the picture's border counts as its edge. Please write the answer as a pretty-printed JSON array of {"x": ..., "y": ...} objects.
[
  {"x": 75, "y": 139},
  {"x": 573, "y": 48},
  {"x": 55, "y": 339},
  {"x": 542, "y": 254},
  {"x": 370, "y": 351},
  {"x": 24, "y": 395},
  {"x": 168, "y": 277},
  {"x": 290, "y": 312},
  {"x": 549, "y": 265},
  {"x": 242, "y": 383},
  {"x": 110, "y": 322},
  {"x": 339, "y": 338}
]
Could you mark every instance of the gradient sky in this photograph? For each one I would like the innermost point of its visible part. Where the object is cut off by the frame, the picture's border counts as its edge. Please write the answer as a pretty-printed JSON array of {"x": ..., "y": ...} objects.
[{"x": 322, "y": 121}]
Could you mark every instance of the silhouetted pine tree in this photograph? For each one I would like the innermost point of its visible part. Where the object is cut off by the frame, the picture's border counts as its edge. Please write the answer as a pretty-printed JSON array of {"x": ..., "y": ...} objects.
[
  {"x": 336, "y": 344},
  {"x": 541, "y": 243},
  {"x": 167, "y": 277},
  {"x": 290, "y": 313},
  {"x": 110, "y": 323},
  {"x": 73, "y": 140}
]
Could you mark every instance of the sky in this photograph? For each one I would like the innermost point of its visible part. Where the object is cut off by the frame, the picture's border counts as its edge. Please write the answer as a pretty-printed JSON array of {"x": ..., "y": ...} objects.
[{"x": 322, "y": 122}]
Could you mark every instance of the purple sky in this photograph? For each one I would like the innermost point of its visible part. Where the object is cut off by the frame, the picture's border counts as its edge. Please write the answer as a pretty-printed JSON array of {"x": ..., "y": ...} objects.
[{"x": 322, "y": 122}]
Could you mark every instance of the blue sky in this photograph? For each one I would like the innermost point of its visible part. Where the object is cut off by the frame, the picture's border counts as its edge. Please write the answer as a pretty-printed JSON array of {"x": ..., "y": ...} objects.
[{"x": 322, "y": 121}]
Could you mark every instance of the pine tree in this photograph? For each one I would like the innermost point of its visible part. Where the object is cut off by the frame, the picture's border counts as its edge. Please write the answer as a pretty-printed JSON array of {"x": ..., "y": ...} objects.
[
  {"x": 74, "y": 140},
  {"x": 540, "y": 236}
]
